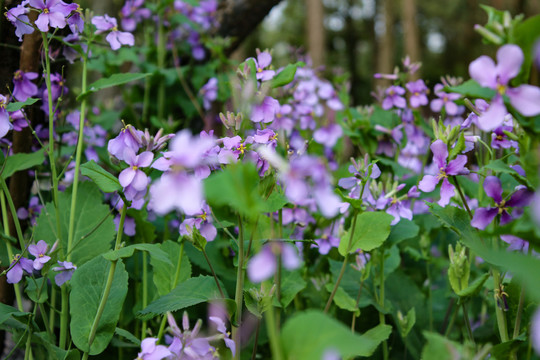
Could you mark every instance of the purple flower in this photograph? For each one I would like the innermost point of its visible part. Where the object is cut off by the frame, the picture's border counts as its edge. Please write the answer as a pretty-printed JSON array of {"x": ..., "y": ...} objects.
[
  {"x": 151, "y": 351},
  {"x": 132, "y": 176},
  {"x": 65, "y": 272},
  {"x": 129, "y": 137},
  {"x": 499, "y": 140},
  {"x": 535, "y": 331},
  {"x": 201, "y": 221},
  {"x": 115, "y": 37},
  {"x": 209, "y": 92},
  {"x": 525, "y": 98},
  {"x": 454, "y": 167},
  {"x": 132, "y": 13},
  {"x": 5, "y": 124},
  {"x": 53, "y": 13},
  {"x": 18, "y": 18},
  {"x": 18, "y": 265},
  {"x": 361, "y": 171},
  {"x": 327, "y": 238},
  {"x": 187, "y": 344},
  {"x": 23, "y": 87},
  {"x": 394, "y": 97},
  {"x": 418, "y": 90},
  {"x": 34, "y": 209},
  {"x": 266, "y": 111},
  {"x": 400, "y": 207},
  {"x": 263, "y": 61},
  {"x": 445, "y": 100},
  {"x": 39, "y": 250},
  {"x": 328, "y": 135},
  {"x": 492, "y": 186},
  {"x": 220, "y": 327},
  {"x": 263, "y": 265},
  {"x": 75, "y": 21}
]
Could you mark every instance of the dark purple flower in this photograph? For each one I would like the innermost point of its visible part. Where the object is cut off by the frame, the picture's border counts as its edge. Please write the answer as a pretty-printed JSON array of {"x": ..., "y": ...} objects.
[
  {"x": 151, "y": 351},
  {"x": 115, "y": 37},
  {"x": 394, "y": 98},
  {"x": 23, "y": 87},
  {"x": 34, "y": 209},
  {"x": 525, "y": 98},
  {"x": 53, "y": 13},
  {"x": 454, "y": 167},
  {"x": 445, "y": 100},
  {"x": 499, "y": 140},
  {"x": 18, "y": 18},
  {"x": 76, "y": 21},
  {"x": 18, "y": 266},
  {"x": 65, "y": 272},
  {"x": 39, "y": 250},
  {"x": 418, "y": 90},
  {"x": 263, "y": 265},
  {"x": 492, "y": 186}
]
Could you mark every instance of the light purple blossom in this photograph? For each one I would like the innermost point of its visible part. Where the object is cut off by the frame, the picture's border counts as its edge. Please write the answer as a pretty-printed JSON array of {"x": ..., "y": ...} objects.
[
  {"x": 23, "y": 87},
  {"x": 18, "y": 18},
  {"x": 493, "y": 188},
  {"x": 132, "y": 13},
  {"x": 220, "y": 327},
  {"x": 53, "y": 13},
  {"x": 65, "y": 272},
  {"x": 445, "y": 100},
  {"x": 34, "y": 209},
  {"x": 5, "y": 124},
  {"x": 201, "y": 221},
  {"x": 362, "y": 171},
  {"x": 263, "y": 265},
  {"x": 133, "y": 176},
  {"x": 499, "y": 140},
  {"x": 39, "y": 250},
  {"x": 326, "y": 238},
  {"x": 394, "y": 98},
  {"x": 18, "y": 266},
  {"x": 266, "y": 111},
  {"x": 115, "y": 37},
  {"x": 454, "y": 167},
  {"x": 187, "y": 344},
  {"x": 328, "y": 135},
  {"x": 525, "y": 98},
  {"x": 209, "y": 92},
  {"x": 264, "y": 59},
  {"x": 418, "y": 90},
  {"x": 151, "y": 351},
  {"x": 129, "y": 137}
]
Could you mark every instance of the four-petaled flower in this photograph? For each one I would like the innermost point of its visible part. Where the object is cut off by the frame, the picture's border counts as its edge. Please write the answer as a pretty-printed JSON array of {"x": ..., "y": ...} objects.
[
  {"x": 115, "y": 37},
  {"x": 39, "y": 250}
]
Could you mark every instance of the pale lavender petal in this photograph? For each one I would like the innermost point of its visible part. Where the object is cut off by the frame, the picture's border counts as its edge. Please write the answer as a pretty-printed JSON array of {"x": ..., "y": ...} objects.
[
  {"x": 348, "y": 183},
  {"x": 140, "y": 181},
  {"x": 14, "y": 275},
  {"x": 451, "y": 108},
  {"x": 493, "y": 117},
  {"x": 447, "y": 191},
  {"x": 145, "y": 159},
  {"x": 493, "y": 188},
  {"x": 509, "y": 60},
  {"x": 262, "y": 266},
  {"x": 526, "y": 99},
  {"x": 112, "y": 39},
  {"x": 484, "y": 71},
  {"x": 290, "y": 258},
  {"x": 57, "y": 20},
  {"x": 483, "y": 217},
  {"x": 264, "y": 59},
  {"x": 208, "y": 231},
  {"x": 428, "y": 183},
  {"x": 440, "y": 153},
  {"x": 42, "y": 22},
  {"x": 457, "y": 166},
  {"x": 126, "y": 176}
]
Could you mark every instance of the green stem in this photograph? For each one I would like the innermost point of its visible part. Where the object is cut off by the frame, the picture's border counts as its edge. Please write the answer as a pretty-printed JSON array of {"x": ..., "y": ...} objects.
[
  {"x": 161, "y": 66},
  {"x": 213, "y": 273},
  {"x": 381, "y": 302},
  {"x": 353, "y": 322},
  {"x": 13, "y": 211},
  {"x": 343, "y": 266},
  {"x": 108, "y": 285},
  {"x": 52, "y": 309},
  {"x": 462, "y": 196},
  {"x": 429, "y": 299},
  {"x": 145, "y": 291},
  {"x": 238, "y": 297},
  {"x": 517, "y": 324},
  {"x": 16, "y": 287},
  {"x": 273, "y": 334},
  {"x": 501, "y": 318},
  {"x": 467, "y": 322}
]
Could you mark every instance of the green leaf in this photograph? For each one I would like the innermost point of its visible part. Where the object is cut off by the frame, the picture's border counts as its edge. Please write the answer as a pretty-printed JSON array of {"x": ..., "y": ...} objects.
[
  {"x": 440, "y": 348},
  {"x": 308, "y": 335},
  {"x": 343, "y": 300},
  {"x": 286, "y": 75},
  {"x": 275, "y": 202},
  {"x": 164, "y": 271},
  {"x": 291, "y": 284},
  {"x": 237, "y": 187},
  {"x": 191, "y": 292},
  {"x": 471, "y": 88},
  {"x": 403, "y": 230},
  {"x": 36, "y": 291},
  {"x": 406, "y": 325},
  {"x": 6, "y": 311},
  {"x": 475, "y": 287},
  {"x": 153, "y": 249},
  {"x": 94, "y": 227},
  {"x": 15, "y": 106},
  {"x": 526, "y": 34},
  {"x": 87, "y": 287},
  {"x": 114, "y": 80},
  {"x": 126, "y": 334},
  {"x": 22, "y": 161},
  {"x": 499, "y": 166},
  {"x": 372, "y": 229},
  {"x": 106, "y": 181}
]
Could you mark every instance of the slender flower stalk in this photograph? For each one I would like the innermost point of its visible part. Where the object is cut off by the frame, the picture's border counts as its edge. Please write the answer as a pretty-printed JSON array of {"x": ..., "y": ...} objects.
[
  {"x": 5, "y": 223},
  {"x": 238, "y": 297}
]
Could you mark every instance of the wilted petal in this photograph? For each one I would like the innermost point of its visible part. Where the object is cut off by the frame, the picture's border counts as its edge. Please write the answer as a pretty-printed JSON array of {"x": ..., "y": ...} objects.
[{"x": 483, "y": 217}]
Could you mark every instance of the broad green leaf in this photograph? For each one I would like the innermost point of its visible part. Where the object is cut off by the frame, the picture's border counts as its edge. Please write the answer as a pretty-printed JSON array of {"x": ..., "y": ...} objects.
[
  {"x": 291, "y": 284},
  {"x": 126, "y": 334},
  {"x": 15, "y": 106},
  {"x": 106, "y": 181},
  {"x": 237, "y": 187},
  {"x": 286, "y": 75},
  {"x": 87, "y": 288},
  {"x": 499, "y": 166},
  {"x": 372, "y": 229},
  {"x": 403, "y": 230},
  {"x": 526, "y": 33},
  {"x": 472, "y": 89},
  {"x": 153, "y": 249},
  {"x": 343, "y": 300},
  {"x": 53, "y": 352},
  {"x": 165, "y": 271},
  {"x": 309, "y": 335},
  {"x": 94, "y": 226},
  {"x": 387, "y": 119},
  {"x": 6, "y": 311},
  {"x": 275, "y": 202},
  {"x": 474, "y": 287},
  {"x": 114, "y": 80},
  {"x": 440, "y": 348},
  {"x": 36, "y": 291},
  {"x": 22, "y": 161},
  {"x": 191, "y": 292}
]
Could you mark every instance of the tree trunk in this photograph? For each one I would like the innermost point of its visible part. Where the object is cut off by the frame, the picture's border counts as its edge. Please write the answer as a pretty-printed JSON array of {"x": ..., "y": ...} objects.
[
  {"x": 315, "y": 31},
  {"x": 385, "y": 53},
  {"x": 410, "y": 33}
]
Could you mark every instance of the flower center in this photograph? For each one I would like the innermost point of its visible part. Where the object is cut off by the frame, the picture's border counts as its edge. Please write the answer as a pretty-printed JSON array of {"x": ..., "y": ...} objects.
[
  {"x": 241, "y": 148},
  {"x": 499, "y": 137},
  {"x": 203, "y": 216},
  {"x": 442, "y": 173},
  {"x": 135, "y": 167},
  {"x": 40, "y": 255},
  {"x": 17, "y": 75},
  {"x": 501, "y": 89},
  {"x": 45, "y": 11},
  {"x": 115, "y": 28}
]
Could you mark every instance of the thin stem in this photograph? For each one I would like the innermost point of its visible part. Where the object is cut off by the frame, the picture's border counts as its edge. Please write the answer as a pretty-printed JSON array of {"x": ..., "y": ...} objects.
[
  {"x": 52, "y": 310},
  {"x": 467, "y": 322},
  {"x": 501, "y": 317},
  {"x": 429, "y": 299},
  {"x": 108, "y": 285},
  {"x": 517, "y": 324},
  {"x": 145, "y": 291},
  {"x": 256, "y": 340},
  {"x": 161, "y": 66},
  {"x": 353, "y": 322},
  {"x": 381, "y": 302},
  {"x": 343, "y": 267},
  {"x": 213, "y": 273},
  {"x": 273, "y": 334},
  {"x": 13, "y": 211},
  {"x": 453, "y": 318},
  {"x": 277, "y": 279},
  {"x": 462, "y": 196},
  {"x": 238, "y": 296}
]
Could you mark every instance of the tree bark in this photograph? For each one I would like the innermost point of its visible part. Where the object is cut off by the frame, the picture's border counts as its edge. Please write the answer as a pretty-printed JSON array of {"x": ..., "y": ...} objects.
[
  {"x": 385, "y": 53},
  {"x": 238, "y": 18},
  {"x": 315, "y": 31},
  {"x": 410, "y": 33}
]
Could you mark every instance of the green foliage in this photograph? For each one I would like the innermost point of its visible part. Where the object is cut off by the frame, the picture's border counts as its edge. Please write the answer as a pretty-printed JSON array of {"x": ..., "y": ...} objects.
[
  {"x": 15, "y": 106},
  {"x": 291, "y": 284},
  {"x": 310, "y": 334},
  {"x": 286, "y": 75},
  {"x": 165, "y": 270},
  {"x": 191, "y": 292},
  {"x": 21, "y": 161},
  {"x": 372, "y": 229},
  {"x": 106, "y": 181},
  {"x": 475, "y": 287},
  {"x": 526, "y": 34},
  {"x": 94, "y": 226},
  {"x": 403, "y": 230},
  {"x": 87, "y": 288},
  {"x": 472, "y": 89},
  {"x": 113, "y": 80}
]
